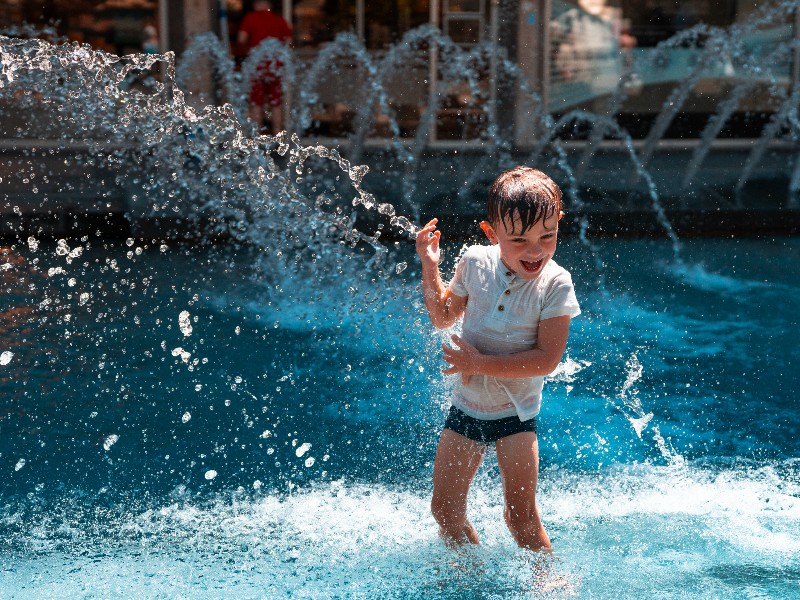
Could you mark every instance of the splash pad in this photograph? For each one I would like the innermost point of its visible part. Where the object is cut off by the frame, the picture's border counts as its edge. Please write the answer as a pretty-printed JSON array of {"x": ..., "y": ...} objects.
[{"x": 259, "y": 417}]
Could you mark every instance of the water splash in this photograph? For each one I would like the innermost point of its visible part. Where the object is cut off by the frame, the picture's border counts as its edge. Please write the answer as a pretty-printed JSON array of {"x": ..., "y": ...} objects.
[{"x": 637, "y": 416}]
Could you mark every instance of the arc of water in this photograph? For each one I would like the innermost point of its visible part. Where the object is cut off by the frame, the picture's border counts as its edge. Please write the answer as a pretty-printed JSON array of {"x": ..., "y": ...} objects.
[
  {"x": 713, "y": 128},
  {"x": 498, "y": 148},
  {"x": 207, "y": 45},
  {"x": 282, "y": 64},
  {"x": 676, "y": 100},
  {"x": 377, "y": 75},
  {"x": 455, "y": 65},
  {"x": 327, "y": 58},
  {"x": 727, "y": 43},
  {"x": 620, "y": 93},
  {"x": 794, "y": 183},
  {"x": 755, "y": 72},
  {"x": 778, "y": 120},
  {"x": 17, "y": 55},
  {"x": 214, "y": 137},
  {"x": 612, "y": 126}
]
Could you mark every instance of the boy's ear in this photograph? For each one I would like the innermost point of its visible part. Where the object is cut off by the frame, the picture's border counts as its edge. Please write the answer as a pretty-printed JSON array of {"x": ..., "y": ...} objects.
[{"x": 487, "y": 229}]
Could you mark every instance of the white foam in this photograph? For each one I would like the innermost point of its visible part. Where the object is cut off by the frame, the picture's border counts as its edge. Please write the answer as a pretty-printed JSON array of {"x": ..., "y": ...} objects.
[
  {"x": 647, "y": 527},
  {"x": 700, "y": 277}
]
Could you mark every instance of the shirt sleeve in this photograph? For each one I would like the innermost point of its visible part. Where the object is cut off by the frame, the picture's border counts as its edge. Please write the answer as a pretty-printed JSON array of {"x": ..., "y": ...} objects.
[
  {"x": 560, "y": 299},
  {"x": 458, "y": 285},
  {"x": 246, "y": 25}
]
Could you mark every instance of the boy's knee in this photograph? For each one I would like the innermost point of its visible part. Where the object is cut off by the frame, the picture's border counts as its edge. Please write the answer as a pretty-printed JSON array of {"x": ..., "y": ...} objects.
[{"x": 446, "y": 515}]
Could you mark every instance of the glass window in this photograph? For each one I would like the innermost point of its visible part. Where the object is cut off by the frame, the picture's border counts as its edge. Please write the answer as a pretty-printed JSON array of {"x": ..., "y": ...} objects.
[
  {"x": 317, "y": 22},
  {"x": 633, "y": 58},
  {"x": 117, "y": 27},
  {"x": 386, "y": 22},
  {"x": 341, "y": 91}
]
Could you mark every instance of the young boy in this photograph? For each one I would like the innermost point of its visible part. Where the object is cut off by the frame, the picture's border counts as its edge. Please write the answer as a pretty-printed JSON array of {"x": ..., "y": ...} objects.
[{"x": 516, "y": 304}]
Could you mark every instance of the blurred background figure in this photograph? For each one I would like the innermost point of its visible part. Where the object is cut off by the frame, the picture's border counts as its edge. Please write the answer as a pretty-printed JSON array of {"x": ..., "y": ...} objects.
[
  {"x": 150, "y": 40},
  {"x": 265, "y": 91}
]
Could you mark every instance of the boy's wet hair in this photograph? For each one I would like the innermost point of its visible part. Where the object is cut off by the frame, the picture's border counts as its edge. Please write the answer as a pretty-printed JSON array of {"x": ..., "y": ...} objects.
[{"x": 522, "y": 195}]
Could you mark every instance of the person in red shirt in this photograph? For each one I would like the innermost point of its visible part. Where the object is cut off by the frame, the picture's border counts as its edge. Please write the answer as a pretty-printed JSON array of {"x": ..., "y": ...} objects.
[{"x": 265, "y": 92}]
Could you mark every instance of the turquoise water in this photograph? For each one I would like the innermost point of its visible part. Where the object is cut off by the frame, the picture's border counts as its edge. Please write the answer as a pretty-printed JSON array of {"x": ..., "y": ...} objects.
[{"x": 186, "y": 422}]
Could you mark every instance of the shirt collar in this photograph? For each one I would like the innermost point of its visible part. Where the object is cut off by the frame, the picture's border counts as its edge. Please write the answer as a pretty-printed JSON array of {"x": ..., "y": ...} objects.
[{"x": 505, "y": 274}]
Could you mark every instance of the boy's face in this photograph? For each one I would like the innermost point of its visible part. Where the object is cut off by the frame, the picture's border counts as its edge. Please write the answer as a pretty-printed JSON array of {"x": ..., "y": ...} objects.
[{"x": 526, "y": 254}]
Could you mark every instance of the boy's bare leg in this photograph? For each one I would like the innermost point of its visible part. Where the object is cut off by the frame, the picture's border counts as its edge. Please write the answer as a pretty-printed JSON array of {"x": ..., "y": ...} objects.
[
  {"x": 276, "y": 118},
  {"x": 257, "y": 115},
  {"x": 518, "y": 459},
  {"x": 457, "y": 461}
]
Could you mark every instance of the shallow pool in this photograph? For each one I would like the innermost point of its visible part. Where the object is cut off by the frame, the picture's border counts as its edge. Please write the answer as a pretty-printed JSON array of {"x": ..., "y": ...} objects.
[{"x": 187, "y": 422}]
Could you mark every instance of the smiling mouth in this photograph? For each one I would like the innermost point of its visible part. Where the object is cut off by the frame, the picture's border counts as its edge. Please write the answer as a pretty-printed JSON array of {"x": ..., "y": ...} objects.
[{"x": 531, "y": 267}]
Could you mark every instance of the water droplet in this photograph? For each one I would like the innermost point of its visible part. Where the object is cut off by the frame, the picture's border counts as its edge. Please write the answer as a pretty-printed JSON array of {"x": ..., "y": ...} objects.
[
  {"x": 184, "y": 323},
  {"x": 302, "y": 449},
  {"x": 401, "y": 266},
  {"x": 186, "y": 417},
  {"x": 309, "y": 461},
  {"x": 110, "y": 441},
  {"x": 20, "y": 463},
  {"x": 6, "y": 357},
  {"x": 211, "y": 474},
  {"x": 185, "y": 356}
]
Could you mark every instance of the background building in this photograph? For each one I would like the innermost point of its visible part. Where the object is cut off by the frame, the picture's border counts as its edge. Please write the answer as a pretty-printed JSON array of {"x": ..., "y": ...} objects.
[{"x": 577, "y": 54}]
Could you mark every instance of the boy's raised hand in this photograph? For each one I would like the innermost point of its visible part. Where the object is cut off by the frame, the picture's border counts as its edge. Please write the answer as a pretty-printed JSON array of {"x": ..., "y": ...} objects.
[{"x": 428, "y": 244}]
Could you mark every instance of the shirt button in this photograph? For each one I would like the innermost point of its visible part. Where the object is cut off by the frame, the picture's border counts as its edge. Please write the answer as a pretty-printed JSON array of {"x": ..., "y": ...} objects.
[
  {"x": 508, "y": 273},
  {"x": 501, "y": 307},
  {"x": 507, "y": 292}
]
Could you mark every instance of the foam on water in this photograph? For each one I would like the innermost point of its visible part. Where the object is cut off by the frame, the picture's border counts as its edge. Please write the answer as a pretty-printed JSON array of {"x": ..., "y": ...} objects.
[
  {"x": 700, "y": 277},
  {"x": 627, "y": 517},
  {"x": 351, "y": 540}
]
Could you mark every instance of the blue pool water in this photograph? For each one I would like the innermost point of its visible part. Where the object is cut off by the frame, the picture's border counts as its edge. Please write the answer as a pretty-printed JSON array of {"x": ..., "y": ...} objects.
[{"x": 189, "y": 422}]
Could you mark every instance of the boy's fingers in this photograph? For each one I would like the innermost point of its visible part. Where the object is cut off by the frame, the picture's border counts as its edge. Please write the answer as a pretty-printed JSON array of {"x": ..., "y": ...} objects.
[{"x": 429, "y": 226}]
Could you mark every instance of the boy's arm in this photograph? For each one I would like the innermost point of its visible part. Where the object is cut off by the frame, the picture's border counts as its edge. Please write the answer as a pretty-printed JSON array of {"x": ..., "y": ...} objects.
[
  {"x": 539, "y": 361},
  {"x": 444, "y": 307}
]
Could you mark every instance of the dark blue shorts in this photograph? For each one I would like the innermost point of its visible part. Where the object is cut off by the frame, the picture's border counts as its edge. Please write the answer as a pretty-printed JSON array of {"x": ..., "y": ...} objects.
[{"x": 486, "y": 431}]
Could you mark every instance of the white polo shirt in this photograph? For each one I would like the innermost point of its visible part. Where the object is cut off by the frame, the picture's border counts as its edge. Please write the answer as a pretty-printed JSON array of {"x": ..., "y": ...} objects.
[{"x": 502, "y": 317}]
